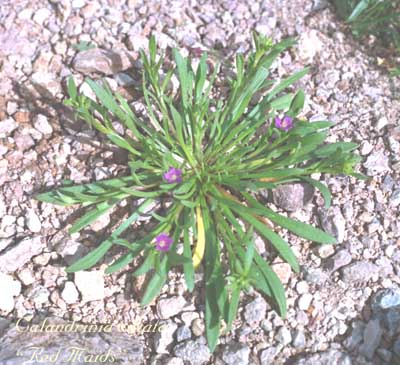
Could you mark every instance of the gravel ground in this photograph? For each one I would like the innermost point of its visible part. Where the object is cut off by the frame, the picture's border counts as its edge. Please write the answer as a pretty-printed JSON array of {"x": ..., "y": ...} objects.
[{"x": 344, "y": 307}]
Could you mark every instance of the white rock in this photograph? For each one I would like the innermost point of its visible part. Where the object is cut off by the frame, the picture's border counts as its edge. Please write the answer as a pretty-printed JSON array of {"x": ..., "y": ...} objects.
[
  {"x": 170, "y": 307},
  {"x": 101, "y": 222},
  {"x": 46, "y": 82},
  {"x": 377, "y": 163},
  {"x": 283, "y": 270},
  {"x": 325, "y": 251},
  {"x": 86, "y": 90},
  {"x": 42, "y": 125},
  {"x": 33, "y": 222},
  {"x": 334, "y": 223},
  {"x": 70, "y": 293},
  {"x": 305, "y": 301},
  {"x": 77, "y": 4},
  {"x": 366, "y": 148},
  {"x": 9, "y": 288},
  {"x": 5, "y": 242},
  {"x": 25, "y": 14},
  {"x": 174, "y": 361},
  {"x": 41, "y": 16},
  {"x": 382, "y": 122},
  {"x": 26, "y": 276},
  {"x": 7, "y": 126},
  {"x": 12, "y": 107},
  {"x": 302, "y": 287},
  {"x": 90, "y": 284},
  {"x": 284, "y": 336},
  {"x": 164, "y": 338},
  {"x": 310, "y": 45},
  {"x": 17, "y": 256},
  {"x": 39, "y": 295},
  {"x": 136, "y": 42}
]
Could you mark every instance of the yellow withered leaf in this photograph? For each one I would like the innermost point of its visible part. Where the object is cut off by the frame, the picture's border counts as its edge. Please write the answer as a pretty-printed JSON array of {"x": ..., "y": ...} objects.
[{"x": 201, "y": 240}]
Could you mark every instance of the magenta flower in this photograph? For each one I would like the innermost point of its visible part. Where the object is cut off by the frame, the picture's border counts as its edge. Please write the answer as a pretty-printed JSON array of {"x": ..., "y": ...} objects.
[
  {"x": 173, "y": 175},
  {"x": 284, "y": 124},
  {"x": 163, "y": 242}
]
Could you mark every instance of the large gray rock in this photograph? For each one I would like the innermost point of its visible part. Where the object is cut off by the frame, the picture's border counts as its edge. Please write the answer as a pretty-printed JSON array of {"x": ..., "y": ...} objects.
[
  {"x": 236, "y": 354},
  {"x": 386, "y": 308},
  {"x": 329, "y": 357},
  {"x": 333, "y": 222},
  {"x": 169, "y": 307},
  {"x": 292, "y": 197},
  {"x": 20, "y": 254},
  {"x": 340, "y": 259},
  {"x": 372, "y": 337},
  {"x": 101, "y": 61},
  {"x": 356, "y": 336},
  {"x": 255, "y": 311},
  {"x": 361, "y": 271},
  {"x": 194, "y": 352},
  {"x": 268, "y": 355},
  {"x": 165, "y": 337},
  {"x": 377, "y": 163},
  {"x": 108, "y": 344},
  {"x": 386, "y": 299}
]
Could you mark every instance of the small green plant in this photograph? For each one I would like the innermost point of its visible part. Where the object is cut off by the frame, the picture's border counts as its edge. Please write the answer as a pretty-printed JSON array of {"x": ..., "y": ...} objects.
[
  {"x": 380, "y": 18},
  {"x": 83, "y": 46},
  {"x": 209, "y": 155}
]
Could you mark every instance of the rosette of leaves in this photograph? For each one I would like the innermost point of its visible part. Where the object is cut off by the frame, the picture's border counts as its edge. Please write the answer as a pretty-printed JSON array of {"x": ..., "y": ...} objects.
[{"x": 224, "y": 150}]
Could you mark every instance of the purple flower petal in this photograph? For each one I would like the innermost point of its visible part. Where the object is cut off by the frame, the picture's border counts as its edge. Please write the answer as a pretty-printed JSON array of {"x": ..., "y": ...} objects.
[
  {"x": 173, "y": 175},
  {"x": 278, "y": 122},
  {"x": 163, "y": 242},
  {"x": 284, "y": 124}
]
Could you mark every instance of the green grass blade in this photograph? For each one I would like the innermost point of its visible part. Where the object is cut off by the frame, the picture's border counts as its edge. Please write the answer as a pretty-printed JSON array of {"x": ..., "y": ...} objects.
[
  {"x": 233, "y": 306},
  {"x": 301, "y": 229},
  {"x": 286, "y": 83},
  {"x": 120, "y": 263},
  {"x": 146, "y": 266},
  {"x": 156, "y": 283},
  {"x": 280, "y": 245},
  {"x": 322, "y": 188},
  {"x": 91, "y": 258},
  {"x": 278, "y": 292},
  {"x": 91, "y": 216}
]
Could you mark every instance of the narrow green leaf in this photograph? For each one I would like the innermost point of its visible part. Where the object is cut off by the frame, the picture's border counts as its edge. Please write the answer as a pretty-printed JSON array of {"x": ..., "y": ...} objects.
[
  {"x": 280, "y": 245},
  {"x": 147, "y": 264},
  {"x": 301, "y": 229},
  {"x": 297, "y": 103},
  {"x": 156, "y": 283},
  {"x": 277, "y": 289},
  {"x": 91, "y": 258},
  {"x": 286, "y": 82},
  {"x": 322, "y": 188},
  {"x": 233, "y": 306},
  {"x": 72, "y": 90},
  {"x": 332, "y": 148},
  {"x": 212, "y": 313},
  {"x": 91, "y": 216},
  {"x": 120, "y": 263}
]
